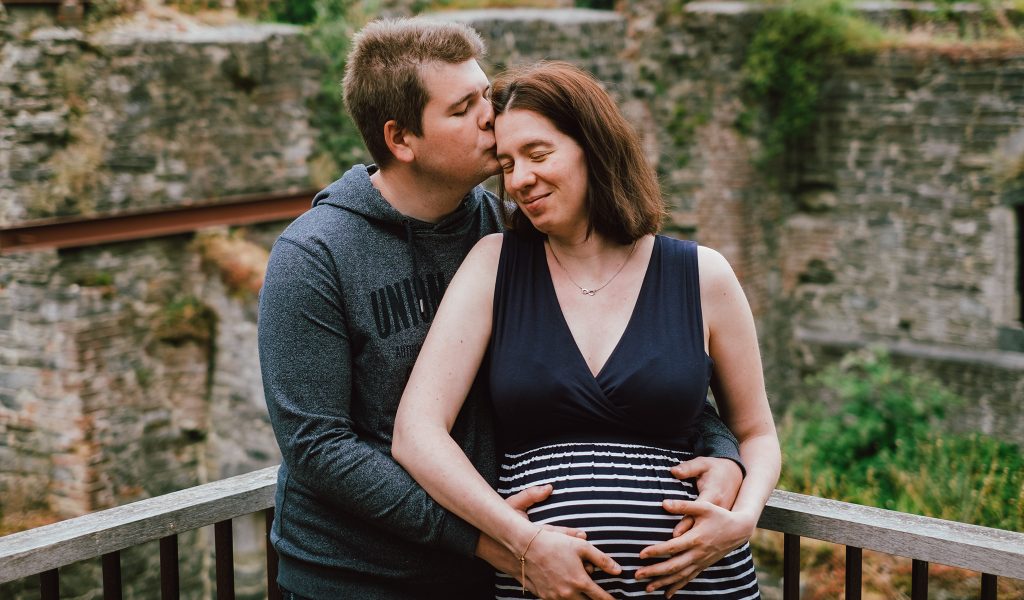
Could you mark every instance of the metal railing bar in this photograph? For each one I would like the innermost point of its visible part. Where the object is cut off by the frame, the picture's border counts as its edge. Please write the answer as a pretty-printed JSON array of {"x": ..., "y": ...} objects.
[
  {"x": 791, "y": 567},
  {"x": 919, "y": 580},
  {"x": 169, "y": 584},
  {"x": 112, "y": 576},
  {"x": 170, "y": 220},
  {"x": 49, "y": 585},
  {"x": 223, "y": 550},
  {"x": 273, "y": 591},
  {"x": 988, "y": 586},
  {"x": 30, "y": 552},
  {"x": 854, "y": 568},
  {"x": 982, "y": 549}
]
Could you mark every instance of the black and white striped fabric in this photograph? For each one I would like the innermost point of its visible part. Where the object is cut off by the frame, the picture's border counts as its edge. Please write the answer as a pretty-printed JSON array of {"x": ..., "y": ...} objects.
[{"x": 613, "y": 491}]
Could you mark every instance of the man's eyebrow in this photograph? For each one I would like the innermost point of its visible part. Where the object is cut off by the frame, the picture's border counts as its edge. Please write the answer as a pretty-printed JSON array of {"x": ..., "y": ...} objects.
[{"x": 465, "y": 98}]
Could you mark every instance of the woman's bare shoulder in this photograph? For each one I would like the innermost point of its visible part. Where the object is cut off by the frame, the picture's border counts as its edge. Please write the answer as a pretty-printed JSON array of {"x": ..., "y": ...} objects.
[{"x": 715, "y": 270}]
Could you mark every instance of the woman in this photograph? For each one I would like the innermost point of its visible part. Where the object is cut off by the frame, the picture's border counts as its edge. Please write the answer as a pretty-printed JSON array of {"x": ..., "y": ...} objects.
[{"x": 600, "y": 339}]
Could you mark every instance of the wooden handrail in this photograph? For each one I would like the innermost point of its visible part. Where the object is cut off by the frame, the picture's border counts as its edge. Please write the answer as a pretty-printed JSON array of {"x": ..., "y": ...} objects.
[
  {"x": 983, "y": 549},
  {"x": 36, "y": 550}
]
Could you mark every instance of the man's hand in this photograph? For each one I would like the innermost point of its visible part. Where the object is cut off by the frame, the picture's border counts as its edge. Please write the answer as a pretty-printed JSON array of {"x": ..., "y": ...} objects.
[
  {"x": 718, "y": 482},
  {"x": 716, "y": 532}
]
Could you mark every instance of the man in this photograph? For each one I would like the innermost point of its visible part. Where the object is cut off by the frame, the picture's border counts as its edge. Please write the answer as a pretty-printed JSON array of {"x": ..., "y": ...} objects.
[{"x": 351, "y": 288}]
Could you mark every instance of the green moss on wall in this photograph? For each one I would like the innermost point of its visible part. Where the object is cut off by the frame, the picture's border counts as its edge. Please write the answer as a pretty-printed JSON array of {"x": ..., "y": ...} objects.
[{"x": 796, "y": 48}]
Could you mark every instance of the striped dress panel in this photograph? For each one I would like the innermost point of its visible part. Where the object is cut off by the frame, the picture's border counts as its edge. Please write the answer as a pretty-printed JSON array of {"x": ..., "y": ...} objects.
[{"x": 613, "y": 491}]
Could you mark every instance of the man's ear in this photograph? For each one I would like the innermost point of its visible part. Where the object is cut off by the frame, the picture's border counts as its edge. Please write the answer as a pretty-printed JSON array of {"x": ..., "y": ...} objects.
[{"x": 396, "y": 137}]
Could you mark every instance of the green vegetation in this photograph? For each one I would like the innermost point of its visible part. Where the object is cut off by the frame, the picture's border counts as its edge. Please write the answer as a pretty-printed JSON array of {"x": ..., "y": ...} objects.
[
  {"x": 331, "y": 24},
  {"x": 338, "y": 141},
  {"x": 184, "y": 320},
  {"x": 800, "y": 43},
  {"x": 874, "y": 436},
  {"x": 795, "y": 49}
]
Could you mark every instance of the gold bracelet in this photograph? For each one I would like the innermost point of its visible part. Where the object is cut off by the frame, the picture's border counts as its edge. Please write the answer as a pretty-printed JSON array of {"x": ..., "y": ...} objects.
[{"x": 522, "y": 559}]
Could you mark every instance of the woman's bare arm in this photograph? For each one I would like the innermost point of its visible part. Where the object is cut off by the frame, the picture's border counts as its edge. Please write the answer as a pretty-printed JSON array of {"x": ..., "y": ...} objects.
[{"x": 444, "y": 372}]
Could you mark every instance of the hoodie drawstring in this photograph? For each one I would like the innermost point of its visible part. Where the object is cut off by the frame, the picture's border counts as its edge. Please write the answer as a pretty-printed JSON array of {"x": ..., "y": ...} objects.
[{"x": 411, "y": 245}]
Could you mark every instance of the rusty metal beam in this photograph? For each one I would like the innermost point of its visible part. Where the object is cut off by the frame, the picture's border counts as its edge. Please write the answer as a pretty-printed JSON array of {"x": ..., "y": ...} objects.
[
  {"x": 77, "y": 232},
  {"x": 38, "y": 2}
]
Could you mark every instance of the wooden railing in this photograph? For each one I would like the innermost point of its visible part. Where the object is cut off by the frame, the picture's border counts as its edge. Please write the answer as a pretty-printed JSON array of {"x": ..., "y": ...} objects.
[{"x": 42, "y": 551}]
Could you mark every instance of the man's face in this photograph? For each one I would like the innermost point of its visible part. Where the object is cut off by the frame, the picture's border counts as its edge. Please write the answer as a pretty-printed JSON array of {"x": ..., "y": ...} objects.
[{"x": 457, "y": 144}]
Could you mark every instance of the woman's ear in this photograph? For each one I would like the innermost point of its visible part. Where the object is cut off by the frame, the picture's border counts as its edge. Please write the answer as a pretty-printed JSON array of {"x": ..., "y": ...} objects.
[{"x": 396, "y": 137}]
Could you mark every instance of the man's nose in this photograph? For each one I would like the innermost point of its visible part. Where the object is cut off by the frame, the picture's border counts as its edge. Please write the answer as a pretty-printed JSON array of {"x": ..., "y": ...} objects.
[{"x": 487, "y": 116}]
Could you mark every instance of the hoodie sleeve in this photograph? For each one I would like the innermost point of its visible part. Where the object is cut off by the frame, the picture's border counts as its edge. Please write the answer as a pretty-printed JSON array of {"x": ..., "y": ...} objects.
[
  {"x": 719, "y": 442},
  {"x": 306, "y": 362}
]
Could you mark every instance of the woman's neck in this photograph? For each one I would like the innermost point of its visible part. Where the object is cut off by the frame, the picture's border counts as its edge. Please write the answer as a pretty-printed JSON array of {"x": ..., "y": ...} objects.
[{"x": 592, "y": 256}]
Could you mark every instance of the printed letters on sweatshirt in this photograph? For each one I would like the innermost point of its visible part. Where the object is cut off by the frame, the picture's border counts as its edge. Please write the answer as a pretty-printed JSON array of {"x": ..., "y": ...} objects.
[{"x": 406, "y": 302}]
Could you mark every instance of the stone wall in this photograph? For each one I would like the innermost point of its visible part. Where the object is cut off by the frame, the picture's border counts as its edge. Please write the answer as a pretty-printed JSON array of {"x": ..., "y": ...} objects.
[
  {"x": 130, "y": 369},
  {"x": 900, "y": 232},
  {"x": 150, "y": 114}
]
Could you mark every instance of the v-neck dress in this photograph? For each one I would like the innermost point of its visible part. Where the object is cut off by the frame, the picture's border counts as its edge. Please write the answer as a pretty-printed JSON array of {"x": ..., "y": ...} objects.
[{"x": 605, "y": 442}]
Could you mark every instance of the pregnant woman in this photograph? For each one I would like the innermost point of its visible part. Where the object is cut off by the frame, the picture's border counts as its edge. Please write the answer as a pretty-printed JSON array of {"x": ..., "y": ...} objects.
[{"x": 600, "y": 340}]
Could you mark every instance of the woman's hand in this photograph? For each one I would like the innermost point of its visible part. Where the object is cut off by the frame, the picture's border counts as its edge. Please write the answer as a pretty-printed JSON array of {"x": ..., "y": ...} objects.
[
  {"x": 715, "y": 533},
  {"x": 556, "y": 567}
]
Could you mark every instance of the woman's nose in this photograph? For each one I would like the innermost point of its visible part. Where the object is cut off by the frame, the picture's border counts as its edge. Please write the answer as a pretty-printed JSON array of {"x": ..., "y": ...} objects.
[{"x": 520, "y": 179}]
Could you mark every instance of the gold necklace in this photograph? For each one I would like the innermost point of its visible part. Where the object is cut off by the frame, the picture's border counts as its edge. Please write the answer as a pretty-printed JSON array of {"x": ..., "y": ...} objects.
[{"x": 587, "y": 291}]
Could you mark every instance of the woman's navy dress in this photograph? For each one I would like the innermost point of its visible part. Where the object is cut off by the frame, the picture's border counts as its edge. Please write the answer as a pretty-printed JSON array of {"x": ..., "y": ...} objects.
[{"x": 605, "y": 443}]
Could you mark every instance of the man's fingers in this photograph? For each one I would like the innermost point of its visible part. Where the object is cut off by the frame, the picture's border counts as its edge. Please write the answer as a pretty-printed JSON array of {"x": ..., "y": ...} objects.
[
  {"x": 712, "y": 496},
  {"x": 530, "y": 496},
  {"x": 685, "y": 524},
  {"x": 678, "y": 586},
  {"x": 667, "y": 548},
  {"x": 674, "y": 581},
  {"x": 600, "y": 560},
  {"x": 569, "y": 531},
  {"x": 665, "y": 568},
  {"x": 689, "y": 469},
  {"x": 693, "y": 508}
]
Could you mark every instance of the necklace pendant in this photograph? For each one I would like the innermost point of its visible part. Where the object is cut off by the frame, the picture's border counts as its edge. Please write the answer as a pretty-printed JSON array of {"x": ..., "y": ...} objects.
[{"x": 587, "y": 292}]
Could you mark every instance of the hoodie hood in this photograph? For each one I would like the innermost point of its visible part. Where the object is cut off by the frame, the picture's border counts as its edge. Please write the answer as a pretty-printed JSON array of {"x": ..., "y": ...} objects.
[{"x": 355, "y": 193}]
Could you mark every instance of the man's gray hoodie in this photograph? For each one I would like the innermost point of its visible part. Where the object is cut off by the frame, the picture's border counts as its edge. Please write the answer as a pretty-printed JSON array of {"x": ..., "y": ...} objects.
[
  {"x": 351, "y": 288},
  {"x": 350, "y": 291}
]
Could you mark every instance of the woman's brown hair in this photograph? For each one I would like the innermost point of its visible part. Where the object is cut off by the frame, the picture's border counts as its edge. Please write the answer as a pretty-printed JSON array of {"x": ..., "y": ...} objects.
[{"x": 623, "y": 198}]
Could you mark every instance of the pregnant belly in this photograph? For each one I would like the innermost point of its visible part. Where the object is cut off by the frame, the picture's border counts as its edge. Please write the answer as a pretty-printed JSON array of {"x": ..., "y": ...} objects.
[
  {"x": 611, "y": 491},
  {"x": 614, "y": 493}
]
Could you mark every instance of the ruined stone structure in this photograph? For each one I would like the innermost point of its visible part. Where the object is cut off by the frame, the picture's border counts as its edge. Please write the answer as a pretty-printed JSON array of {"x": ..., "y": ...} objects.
[{"x": 130, "y": 370}]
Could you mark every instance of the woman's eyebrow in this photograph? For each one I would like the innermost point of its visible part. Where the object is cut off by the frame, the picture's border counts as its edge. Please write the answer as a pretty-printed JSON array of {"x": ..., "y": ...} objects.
[{"x": 528, "y": 146}]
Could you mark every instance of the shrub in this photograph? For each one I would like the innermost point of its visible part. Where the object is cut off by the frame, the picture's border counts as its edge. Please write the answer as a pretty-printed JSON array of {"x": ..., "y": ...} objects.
[
  {"x": 796, "y": 47},
  {"x": 874, "y": 434}
]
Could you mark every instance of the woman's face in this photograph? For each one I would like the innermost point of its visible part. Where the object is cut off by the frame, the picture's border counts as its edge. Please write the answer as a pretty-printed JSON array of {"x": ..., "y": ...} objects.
[{"x": 544, "y": 171}]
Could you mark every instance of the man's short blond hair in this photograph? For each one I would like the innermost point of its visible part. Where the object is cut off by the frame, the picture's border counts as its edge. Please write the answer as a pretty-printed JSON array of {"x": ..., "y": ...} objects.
[{"x": 382, "y": 76}]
